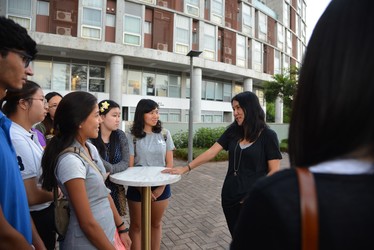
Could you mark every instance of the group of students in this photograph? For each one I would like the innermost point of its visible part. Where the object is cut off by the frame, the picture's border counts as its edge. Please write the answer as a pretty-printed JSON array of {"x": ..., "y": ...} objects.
[{"x": 331, "y": 133}]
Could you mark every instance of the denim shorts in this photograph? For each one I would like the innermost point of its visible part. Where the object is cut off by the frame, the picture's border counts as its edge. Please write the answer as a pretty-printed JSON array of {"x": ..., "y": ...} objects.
[{"x": 134, "y": 195}]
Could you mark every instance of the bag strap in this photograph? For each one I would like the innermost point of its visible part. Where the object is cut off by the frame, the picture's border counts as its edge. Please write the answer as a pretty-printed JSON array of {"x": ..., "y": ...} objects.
[
  {"x": 309, "y": 210},
  {"x": 84, "y": 156}
]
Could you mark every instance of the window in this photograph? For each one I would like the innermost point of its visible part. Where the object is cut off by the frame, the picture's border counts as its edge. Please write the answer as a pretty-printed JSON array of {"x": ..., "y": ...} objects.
[
  {"x": 286, "y": 62},
  {"x": 147, "y": 27},
  {"x": 132, "y": 29},
  {"x": 20, "y": 12},
  {"x": 286, "y": 15},
  {"x": 280, "y": 36},
  {"x": 134, "y": 80},
  {"x": 132, "y": 24},
  {"x": 217, "y": 11},
  {"x": 257, "y": 56},
  {"x": 240, "y": 51},
  {"x": 42, "y": 8},
  {"x": 60, "y": 76},
  {"x": 182, "y": 34},
  {"x": 170, "y": 115},
  {"x": 260, "y": 95},
  {"x": 277, "y": 62},
  {"x": 78, "y": 77},
  {"x": 149, "y": 81},
  {"x": 162, "y": 82},
  {"x": 110, "y": 20},
  {"x": 238, "y": 89},
  {"x": 288, "y": 42},
  {"x": 213, "y": 90},
  {"x": 92, "y": 19},
  {"x": 262, "y": 26},
  {"x": 227, "y": 92},
  {"x": 174, "y": 86},
  {"x": 247, "y": 20},
  {"x": 192, "y": 7},
  {"x": 42, "y": 73},
  {"x": 209, "y": 42},
  {"x": 96, "y": 79}
]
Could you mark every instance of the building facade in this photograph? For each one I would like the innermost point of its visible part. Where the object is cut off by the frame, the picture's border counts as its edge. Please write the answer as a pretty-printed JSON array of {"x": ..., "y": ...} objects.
[{"x": 127, "y": 50}]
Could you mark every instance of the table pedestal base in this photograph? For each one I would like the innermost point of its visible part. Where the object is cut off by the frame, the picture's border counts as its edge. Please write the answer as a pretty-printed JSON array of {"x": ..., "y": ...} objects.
[{"x": 146, "y": 218}]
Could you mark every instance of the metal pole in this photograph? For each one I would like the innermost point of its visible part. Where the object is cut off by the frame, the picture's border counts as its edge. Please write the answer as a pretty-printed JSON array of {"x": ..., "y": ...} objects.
[{"x": 190, "y": 116}]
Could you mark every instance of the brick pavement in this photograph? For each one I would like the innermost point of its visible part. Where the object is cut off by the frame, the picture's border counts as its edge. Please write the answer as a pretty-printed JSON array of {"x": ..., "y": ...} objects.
[{"x": 194, "y": 219}]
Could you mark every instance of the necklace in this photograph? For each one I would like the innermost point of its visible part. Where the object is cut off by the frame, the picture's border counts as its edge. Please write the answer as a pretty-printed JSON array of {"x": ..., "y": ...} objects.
[{"x": 236, "y": 167}]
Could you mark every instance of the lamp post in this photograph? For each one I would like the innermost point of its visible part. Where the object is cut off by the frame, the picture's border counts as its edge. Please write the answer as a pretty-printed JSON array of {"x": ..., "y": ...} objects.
[{"x": 191, "y": 54}]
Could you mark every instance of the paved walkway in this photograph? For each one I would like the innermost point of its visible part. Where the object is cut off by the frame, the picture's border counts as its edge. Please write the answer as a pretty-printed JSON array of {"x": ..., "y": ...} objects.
[{"x": 194, "y": 218}]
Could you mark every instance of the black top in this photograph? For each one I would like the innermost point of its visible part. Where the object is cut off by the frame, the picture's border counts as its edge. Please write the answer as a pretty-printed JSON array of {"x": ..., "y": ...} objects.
[
  {"x": 250, "y": 163},
  {"x": 270, "y": 218}
]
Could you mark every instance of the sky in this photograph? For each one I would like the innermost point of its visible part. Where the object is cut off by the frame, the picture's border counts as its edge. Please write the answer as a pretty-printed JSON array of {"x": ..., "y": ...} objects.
[{"x": 314, "y": 9}]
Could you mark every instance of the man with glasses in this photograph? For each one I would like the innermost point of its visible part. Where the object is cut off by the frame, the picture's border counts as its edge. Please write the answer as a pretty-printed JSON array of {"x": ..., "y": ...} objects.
[{"x": 17, "y": 231}]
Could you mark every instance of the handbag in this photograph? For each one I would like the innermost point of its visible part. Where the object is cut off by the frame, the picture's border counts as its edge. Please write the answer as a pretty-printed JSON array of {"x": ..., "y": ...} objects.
[
  {"x": 61, "y": 206},
  {"x": 309, "y": 209}
]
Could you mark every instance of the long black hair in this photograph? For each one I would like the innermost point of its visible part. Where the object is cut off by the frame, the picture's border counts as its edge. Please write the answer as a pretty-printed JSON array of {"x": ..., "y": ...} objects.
[
  {"x": 104, "y": 107},
  {"x": 333, "y": 110},
  {"x": 254, "y": 116},
  {"x": 144, "y": 106},
  {"x": 73, "y": 109}
]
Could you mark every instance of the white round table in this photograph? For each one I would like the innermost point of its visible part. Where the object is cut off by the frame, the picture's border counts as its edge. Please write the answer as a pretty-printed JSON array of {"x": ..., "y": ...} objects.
[{"x": 145, "y": 177}]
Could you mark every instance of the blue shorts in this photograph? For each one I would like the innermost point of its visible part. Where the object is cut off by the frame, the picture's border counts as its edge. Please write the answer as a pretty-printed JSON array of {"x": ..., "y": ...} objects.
[{"x": 134, "y": 195}]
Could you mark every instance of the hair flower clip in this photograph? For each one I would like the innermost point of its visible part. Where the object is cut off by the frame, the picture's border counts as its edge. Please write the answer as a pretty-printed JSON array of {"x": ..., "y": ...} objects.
[{"x": 104, "y": 106}]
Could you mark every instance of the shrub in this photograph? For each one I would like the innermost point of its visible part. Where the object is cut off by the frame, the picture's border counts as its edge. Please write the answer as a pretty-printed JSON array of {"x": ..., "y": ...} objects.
[
  {"x": 206, "y": 137},
  {"x": 283, "y": 146},
  {"x": 180, "y": 139}
]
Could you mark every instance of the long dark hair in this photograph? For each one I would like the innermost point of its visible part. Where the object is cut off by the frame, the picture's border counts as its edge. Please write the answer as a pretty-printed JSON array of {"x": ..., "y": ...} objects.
[
  {"x": 254, "y": 116},
  {"x": 48, "y": 122},
  {"x": 10, "y": 102},
  {"x": 333, "y": 110},
  {"x": 144, "y": 106},
  {"x": 73, "y": 109},
  {"x": 104, "y": 107}
]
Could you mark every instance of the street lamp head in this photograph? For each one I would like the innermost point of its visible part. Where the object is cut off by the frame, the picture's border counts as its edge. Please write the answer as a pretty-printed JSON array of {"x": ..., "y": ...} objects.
[{"x": 194, "y": 53}]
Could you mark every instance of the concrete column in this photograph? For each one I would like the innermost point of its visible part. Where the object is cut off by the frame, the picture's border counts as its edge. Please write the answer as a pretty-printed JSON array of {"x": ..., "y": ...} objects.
[
  {"x": 196, "y": 101},
  {"x": 248, "y": 84},
  {"x": 116, "y": 79},
  {"x": 279, "y": 110}
]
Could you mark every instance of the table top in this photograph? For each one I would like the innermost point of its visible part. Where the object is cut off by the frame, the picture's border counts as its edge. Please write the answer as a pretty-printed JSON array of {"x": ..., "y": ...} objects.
[{"x": 144, "y": 177}]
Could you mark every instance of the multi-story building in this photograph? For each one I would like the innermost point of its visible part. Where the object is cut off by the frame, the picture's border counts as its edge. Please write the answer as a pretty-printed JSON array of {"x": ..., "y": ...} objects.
[{"x": 127, "y": 50}]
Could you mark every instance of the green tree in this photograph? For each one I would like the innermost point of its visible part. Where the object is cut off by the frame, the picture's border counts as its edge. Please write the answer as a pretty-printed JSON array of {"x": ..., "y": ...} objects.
[{"x": 284, "y": 85}]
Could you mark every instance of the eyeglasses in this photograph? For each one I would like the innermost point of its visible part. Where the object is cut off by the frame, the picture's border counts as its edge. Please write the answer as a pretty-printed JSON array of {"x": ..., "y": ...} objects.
[
  {"x": 45, "y": 102},
  {"x": 26, "y": 58}
]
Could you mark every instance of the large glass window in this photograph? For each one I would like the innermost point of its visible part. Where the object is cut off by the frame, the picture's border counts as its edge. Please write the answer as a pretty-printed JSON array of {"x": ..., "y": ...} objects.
[
  {"x": 42, "y": 73},
  {"x": 42, "y": 8},
  {"x": 96, "y": 79},
  {"x": 227, "y": 92},
  {"x": 217, "y": 11},
  {"x": 79, "y": 77},
  {"x": 20, "y": 12},
  {"x": 286, "y": 15},
  {"x": 132, "y": 24},
  {"x": 92, "y": 19},
  {"x": 149, "y": 81},
  {"x": 257, "y": 56},
  {"x": 280, "y": 36},
  {"x": 162, "y": 82},
  {"x": 247, "y": 20},
  {"x": 60, "y": 76},
  {"x": 289, "y": 42},
  {"x": 240, "y": 50},
  {"x": 277, "y": 62},
  {"x": 262, "y": 26},
  {"x": 182, "y": 34},
  {"x": 209, "y": 41},
  {"x": 174, "y": 86},
  {"x": 134, "y": 82}
]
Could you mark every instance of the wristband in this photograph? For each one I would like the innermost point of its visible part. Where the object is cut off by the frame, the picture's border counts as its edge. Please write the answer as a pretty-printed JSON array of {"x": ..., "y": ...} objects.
[
  {"x": 120, "y": 225},
  {"x": 189, "y": 167},
  {"x": 126, "y": 230}
]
